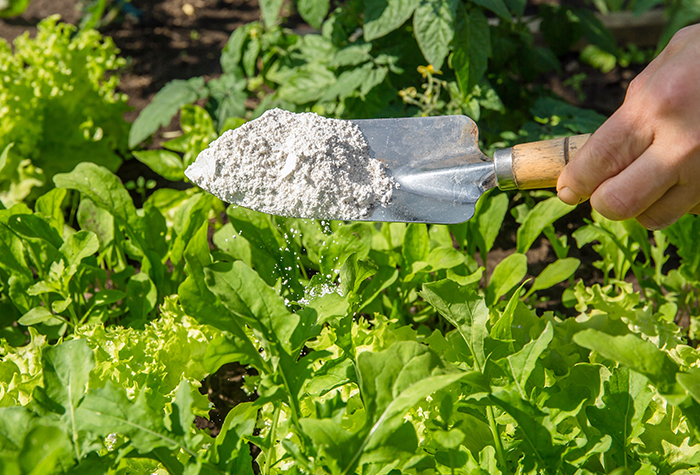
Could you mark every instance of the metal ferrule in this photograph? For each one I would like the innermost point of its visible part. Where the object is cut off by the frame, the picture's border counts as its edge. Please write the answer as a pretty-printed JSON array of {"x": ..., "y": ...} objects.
[{"x": 503, "y": 163}]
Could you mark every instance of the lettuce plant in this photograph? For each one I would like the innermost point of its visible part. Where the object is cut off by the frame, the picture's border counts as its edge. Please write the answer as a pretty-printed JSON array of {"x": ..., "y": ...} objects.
[{"x": 58, "y": 107}]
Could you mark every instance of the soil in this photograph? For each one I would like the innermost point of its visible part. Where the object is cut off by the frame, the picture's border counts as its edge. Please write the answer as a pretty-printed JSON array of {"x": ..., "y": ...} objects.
[{"x": 180, "y": 39}]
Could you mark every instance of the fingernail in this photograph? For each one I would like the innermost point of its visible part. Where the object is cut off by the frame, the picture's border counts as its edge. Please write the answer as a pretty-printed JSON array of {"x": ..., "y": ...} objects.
[{"x": 569, "y": 197}]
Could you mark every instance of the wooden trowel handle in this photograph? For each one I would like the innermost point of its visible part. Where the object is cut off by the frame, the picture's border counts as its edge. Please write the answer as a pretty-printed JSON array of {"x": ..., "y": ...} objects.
[{"x": 537, "y": 164}]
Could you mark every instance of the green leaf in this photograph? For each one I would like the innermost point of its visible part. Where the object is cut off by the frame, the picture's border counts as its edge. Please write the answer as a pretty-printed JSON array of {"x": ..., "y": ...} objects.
[
  {"x": 595, "y": 31},
  {"x": 328, "y": 435},
  {"x": 507, "y": 274},
  {"x": 690, "y": 381},
  {"x": 165, "y": 163},
  {"x": 31, "y": 226},
  {"x": 13, "y": 8},
  {"x": 523, "y": 362},
  {"x": 103, "y": 188},
  {"x": 348, "y": 82},
  {"x": 624, "y": 401},
  {"x": 306, "y": 84},
  {"x": 247, "y": 296},
  {"x": 39, "y": 315},
  {"x": 416, "y": 244},
  {"x": 67, "y": 369},
  {"x": 267, "y": 246},
  {"x": 236, "y": 347},
  {"x": 391, "y": 382},
  {"x": 472, "y": 48},
  {"x": 49, "y": 207},
  {"x": 108, "y": 410},
  {"x": 202, "y": 304},
  {"x": 497, "y": 6},
  {"x": 233, "y": 51},
  {"x": 163, "y": 107},
  {"x": 97, "y": 220},
  {"x": 353, "y": 273},
  {"x": 444, "y": 258},
  {"x": 352, "y": 55},
  {"x": 541, "y": 216},
  {"x": 633, "y": 352},
  {"x": 196, "y": 212},
  {"x": 433, "y": 25},
  {"x": 313, "y": 11},
  {"x": 517, "y": 7},
  {"x": 464, "y": 309},
  {"x": 77, "y": 247},
  {"x": 384, "y": 16},
  {"x": 537, "y": 437},
  {"x": 141, "y": 295},
  {"x": 46, "y": 449},
  {"x": 355, "y": 238},
  {"x": 230, "y": 453},
  {"x": 557, "y": 271},
  {"x": 270, "y": 10},
  {"x": 487, "y": 221}
]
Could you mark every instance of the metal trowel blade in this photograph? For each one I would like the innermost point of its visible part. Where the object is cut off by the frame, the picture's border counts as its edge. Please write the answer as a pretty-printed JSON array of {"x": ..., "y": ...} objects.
[{"x": 436, "y": 163}]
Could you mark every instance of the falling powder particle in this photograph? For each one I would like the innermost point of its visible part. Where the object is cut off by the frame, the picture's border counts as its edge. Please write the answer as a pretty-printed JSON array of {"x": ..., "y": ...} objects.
[{"x": 298, "y": 165}]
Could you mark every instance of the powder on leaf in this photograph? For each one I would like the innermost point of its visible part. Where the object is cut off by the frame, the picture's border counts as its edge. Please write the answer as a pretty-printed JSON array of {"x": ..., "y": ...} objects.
[{"x": 298, "y": 165}]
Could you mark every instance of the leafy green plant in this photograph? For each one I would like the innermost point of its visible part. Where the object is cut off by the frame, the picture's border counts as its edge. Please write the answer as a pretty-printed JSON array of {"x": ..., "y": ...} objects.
[
  {"x": 10, "y": 8},
  {"x": 396, "y": 353},
  {"x": 59, "y": 107},
  {"x": 56, "y": 278},
  {"x": 369, "y": 60}
]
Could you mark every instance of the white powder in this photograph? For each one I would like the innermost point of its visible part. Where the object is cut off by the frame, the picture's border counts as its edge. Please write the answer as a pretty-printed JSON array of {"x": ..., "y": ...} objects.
[{"x": 298, "y": 165}]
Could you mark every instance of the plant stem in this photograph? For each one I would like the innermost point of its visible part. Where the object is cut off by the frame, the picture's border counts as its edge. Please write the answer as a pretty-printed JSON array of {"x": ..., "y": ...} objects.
[
  {"x": 496, "y": 438},
  {"x": 272, "y": 437}
]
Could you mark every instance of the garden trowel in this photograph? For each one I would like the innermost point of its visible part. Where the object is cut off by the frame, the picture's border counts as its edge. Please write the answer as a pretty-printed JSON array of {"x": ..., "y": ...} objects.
[{"x": 441, "y": 172}]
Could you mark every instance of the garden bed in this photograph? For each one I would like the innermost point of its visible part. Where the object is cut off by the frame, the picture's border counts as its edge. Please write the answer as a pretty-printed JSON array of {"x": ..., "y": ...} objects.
[{"x": 536, "y": 337}]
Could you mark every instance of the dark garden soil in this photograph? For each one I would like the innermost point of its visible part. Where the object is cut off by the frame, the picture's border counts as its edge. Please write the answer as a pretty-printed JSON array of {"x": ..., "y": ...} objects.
[{"x": 180, "y": 39}]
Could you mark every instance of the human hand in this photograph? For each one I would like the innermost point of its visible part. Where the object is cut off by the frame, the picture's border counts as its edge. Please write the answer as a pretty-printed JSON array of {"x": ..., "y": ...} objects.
[{"x": 644, "y": 161}]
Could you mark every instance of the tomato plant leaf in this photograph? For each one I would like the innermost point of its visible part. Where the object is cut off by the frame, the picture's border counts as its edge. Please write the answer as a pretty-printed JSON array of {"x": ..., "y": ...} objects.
[
  {"x": 497, "y": 6},
  {"x": 384, "y": 16},
  {"x": 313, "y": 11},
  {"x": 433, "y": 24},
  {"x": 270, "y": 10},
  {"x": 472, "y": 48}
]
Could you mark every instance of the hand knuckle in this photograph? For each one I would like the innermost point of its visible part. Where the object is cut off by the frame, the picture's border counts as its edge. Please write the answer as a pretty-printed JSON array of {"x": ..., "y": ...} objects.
[
  {"x": 605, "y": 158},
  {"x": 608, "y": 203}
]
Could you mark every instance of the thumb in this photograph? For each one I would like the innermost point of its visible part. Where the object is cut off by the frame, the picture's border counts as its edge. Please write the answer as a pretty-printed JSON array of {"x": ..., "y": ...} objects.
[{"x": 611, "y": 149}]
